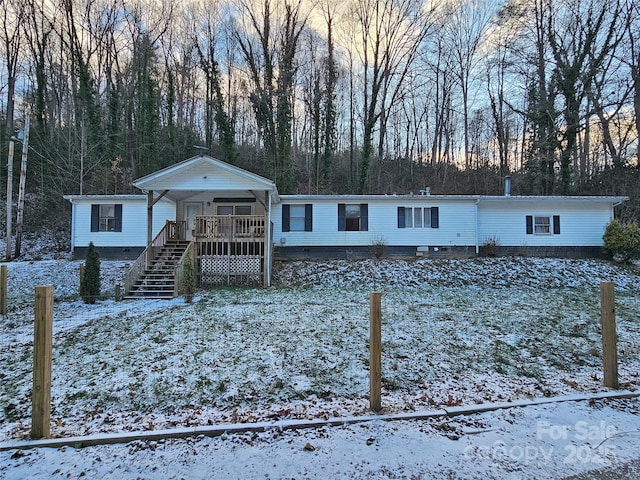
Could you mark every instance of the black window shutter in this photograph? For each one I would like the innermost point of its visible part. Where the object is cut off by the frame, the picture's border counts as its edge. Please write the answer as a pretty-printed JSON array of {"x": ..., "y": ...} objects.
[
  {"x": 364, "y": 217},
  {"x": 286, "y": 220},
  {"x": 529, "y": 225},
  {"x": 95, "y": 218},
  {"x": 342, "y": 220},
  {"x": 117, "y": 212},
  {"x": 556, "y": 224},
  {"x": 308, "y": 217},
  {"x": 401, "y": 223},
  {"x": 435, "y": 217}
]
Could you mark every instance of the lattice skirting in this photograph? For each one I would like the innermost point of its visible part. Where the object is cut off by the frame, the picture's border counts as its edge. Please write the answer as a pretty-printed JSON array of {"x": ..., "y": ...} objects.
[{"x": 216, "y": 269}]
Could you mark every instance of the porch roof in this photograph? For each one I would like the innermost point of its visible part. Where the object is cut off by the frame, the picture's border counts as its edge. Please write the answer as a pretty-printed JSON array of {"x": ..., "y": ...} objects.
[{"x": 204, "y": 174}]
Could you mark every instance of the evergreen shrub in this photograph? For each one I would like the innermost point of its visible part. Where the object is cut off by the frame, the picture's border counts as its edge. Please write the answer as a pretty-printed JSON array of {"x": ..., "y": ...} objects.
[
  {"x": 90, "y": 283},
  {"x": 622, "y": 240}
]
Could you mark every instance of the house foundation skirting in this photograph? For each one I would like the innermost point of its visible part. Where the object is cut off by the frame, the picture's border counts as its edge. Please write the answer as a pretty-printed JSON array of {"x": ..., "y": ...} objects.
[
  {"x": 435, "y": 251},
  {"x": 360, "y": 252},
  {"x": 371, "y": 251},
  {"x": 110, "y": 253}
]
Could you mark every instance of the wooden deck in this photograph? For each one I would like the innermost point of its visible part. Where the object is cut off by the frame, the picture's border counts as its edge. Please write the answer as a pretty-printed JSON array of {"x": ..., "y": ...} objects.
[{"x": 230, "y": 249}]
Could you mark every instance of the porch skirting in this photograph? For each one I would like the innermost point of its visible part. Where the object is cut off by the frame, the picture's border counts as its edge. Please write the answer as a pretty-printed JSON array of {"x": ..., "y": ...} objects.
[{"x": 230, "y": 269}]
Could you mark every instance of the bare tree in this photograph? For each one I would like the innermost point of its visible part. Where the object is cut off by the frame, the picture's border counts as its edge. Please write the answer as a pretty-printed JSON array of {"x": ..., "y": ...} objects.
[
  {"x": 390, "y": 34},
  {"x": 269, "y": 47},
  {"x": 581, "y": 39},
  {"x": 13, "y": 18},
  {"x": 205, "y": 37},
  {"x": 498, "y": 76},
  {"x": 329, "y": 111},
  {"x": 633, "y": 40},
  {"x": 463, "y": 34}
]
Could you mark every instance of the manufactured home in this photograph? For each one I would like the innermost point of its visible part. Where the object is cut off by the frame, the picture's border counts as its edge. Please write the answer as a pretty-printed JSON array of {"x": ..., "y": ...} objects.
[{"x": 233, "y": 223}]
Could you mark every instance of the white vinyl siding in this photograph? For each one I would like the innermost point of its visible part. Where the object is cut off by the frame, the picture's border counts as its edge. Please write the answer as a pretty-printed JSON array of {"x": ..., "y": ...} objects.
[
  {"x": 134, "y": 221},
  {"x": 462, "y": 222},
  {"x": 456, "y": 223},
  {"x": 582, "y": 223}
]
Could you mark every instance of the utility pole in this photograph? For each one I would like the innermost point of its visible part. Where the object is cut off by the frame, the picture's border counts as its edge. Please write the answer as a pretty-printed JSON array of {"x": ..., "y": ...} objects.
[
  {"x": 9, "y": 198},
  {"x": 22, "y": 185}
]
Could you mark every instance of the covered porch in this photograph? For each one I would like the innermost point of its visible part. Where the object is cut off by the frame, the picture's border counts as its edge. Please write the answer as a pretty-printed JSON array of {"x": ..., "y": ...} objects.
[{"x": 223, "y": 216}]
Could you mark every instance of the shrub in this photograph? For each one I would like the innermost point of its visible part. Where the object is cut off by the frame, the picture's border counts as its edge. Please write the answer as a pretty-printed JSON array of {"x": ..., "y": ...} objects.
[
  {"x": 90, "y": 282},
  {"x": 490, "y": 247},
  {"x": 378, "y": 246},
  {"x": 188, "y": 279},
  {"x": 622, "y": 240}
]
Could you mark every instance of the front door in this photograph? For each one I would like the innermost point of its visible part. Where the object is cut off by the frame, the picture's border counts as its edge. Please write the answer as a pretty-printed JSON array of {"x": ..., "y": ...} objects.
[{"x": 191, "y": 210}]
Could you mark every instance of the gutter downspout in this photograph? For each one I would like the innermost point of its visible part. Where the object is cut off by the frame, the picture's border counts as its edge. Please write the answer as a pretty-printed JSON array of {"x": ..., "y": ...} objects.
[
  {"x": 73, "y": 225},
  {"x": 477, "y": 229},
  {"x": 613, "y": 206}
]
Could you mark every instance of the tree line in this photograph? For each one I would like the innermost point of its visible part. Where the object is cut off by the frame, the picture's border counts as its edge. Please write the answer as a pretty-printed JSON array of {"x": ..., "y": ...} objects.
[{"x": 355, "y": 96}]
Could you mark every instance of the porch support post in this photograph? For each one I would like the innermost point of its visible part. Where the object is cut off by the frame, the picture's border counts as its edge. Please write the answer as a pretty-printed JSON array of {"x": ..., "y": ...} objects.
[
  {"x": 267, "y": 241},
  {"x": 150, "y": 203}
]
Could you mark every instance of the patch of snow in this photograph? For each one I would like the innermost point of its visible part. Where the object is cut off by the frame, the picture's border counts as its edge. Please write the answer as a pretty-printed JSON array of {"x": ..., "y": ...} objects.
[{"x": 455, "y": 332}]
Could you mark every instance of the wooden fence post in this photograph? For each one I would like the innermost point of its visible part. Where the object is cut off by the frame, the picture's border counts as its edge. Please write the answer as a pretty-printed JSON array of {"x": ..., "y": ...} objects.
[
  {"x": 118, "y": 293},
  {"x": 609, "y": 341},
  {"x": 42, "y": 347},
  {"x": 375, "y": 360},
  {"x": 3, "y": 289}
]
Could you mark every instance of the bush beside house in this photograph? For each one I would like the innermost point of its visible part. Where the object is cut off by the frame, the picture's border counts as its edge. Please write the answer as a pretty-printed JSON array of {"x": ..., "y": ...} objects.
[
  {"x": 188, "y": 279},
  {"x": 622, "y": 240}
]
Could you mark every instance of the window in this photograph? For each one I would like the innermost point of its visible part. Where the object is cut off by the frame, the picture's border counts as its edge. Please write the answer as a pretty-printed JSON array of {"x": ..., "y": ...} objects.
[
  {"x": 418, "y": 217},
  {"x": 233, "y": 210},
  {"x": 297, "y": 218},
  {"x": 106, "y": 217},
  {"x": 239, "y": 226},
  {"x": 543, "y": 224},
  {"x": 353, "y": 217}
]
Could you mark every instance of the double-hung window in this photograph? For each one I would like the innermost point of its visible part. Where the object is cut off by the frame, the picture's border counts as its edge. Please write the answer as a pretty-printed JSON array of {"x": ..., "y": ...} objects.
[
  {"x": 418, "y": 217},
  {"x": 543, "y": 224},
  {"x": 353, "y": 217},
  {"x": 297, "y": 218},
  {"x": 106, "y": 217}
]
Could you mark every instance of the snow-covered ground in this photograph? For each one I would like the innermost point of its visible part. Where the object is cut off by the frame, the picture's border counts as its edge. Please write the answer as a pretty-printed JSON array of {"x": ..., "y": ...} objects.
[{"x": 455, "y": 332}]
